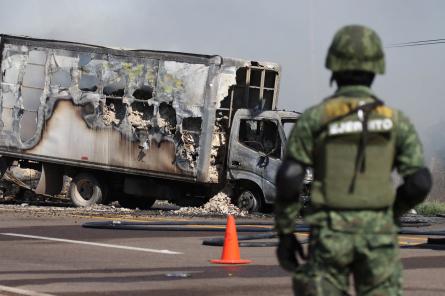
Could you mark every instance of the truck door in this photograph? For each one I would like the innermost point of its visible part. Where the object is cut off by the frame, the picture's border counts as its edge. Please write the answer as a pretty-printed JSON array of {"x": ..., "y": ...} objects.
[
  {"x": 255, "y": 152},
  {"x": 272, "y": 136},
  {"x": 246, "y": 150}
]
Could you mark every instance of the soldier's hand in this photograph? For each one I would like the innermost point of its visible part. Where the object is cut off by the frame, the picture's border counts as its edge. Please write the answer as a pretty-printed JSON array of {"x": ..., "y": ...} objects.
[{"x": 286, "y": 252}]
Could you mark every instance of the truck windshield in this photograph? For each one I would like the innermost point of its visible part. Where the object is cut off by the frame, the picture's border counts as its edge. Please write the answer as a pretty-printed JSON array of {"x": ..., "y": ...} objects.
[{"x": 261, "y": 135}]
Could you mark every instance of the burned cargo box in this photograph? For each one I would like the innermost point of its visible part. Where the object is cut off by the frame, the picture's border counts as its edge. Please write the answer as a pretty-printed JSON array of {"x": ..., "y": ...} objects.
[{"x": 150, "y": 112}]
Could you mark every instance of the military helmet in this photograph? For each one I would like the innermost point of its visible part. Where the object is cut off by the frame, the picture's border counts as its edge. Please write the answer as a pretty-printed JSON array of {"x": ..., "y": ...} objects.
[{"x": 356, "y": 48}]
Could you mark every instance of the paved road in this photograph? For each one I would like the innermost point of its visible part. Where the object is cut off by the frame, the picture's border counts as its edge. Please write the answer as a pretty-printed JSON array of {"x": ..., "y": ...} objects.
[{"x": 55, "y": 255}]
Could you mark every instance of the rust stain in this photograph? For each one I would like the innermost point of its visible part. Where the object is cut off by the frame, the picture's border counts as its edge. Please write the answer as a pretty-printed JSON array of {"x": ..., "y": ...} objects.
[{"x": 67, "y": 136}]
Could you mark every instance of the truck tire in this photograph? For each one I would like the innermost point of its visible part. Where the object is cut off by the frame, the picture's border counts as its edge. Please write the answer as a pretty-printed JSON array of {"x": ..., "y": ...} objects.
[
  {"x": 249, "y": 199},
  {"x": 85, "y": 190}
]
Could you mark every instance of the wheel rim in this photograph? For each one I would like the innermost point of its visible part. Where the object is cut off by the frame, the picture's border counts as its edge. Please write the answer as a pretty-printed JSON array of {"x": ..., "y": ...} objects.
[
  {"x": 85, "y": 189},
  {"x": 247, "y": 201}
]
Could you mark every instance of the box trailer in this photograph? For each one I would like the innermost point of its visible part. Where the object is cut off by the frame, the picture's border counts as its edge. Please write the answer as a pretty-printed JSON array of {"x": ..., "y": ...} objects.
[{"x": 140, "y": 125}]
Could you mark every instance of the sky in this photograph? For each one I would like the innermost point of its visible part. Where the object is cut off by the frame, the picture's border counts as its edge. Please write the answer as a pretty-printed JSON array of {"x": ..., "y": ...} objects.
[{"x": 293, "y": 33}]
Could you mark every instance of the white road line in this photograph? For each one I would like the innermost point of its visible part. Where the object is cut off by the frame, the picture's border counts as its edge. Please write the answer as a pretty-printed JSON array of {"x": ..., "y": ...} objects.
[
  {"x": 93, "y": 244},
  {"x": 21, "y": 291}
]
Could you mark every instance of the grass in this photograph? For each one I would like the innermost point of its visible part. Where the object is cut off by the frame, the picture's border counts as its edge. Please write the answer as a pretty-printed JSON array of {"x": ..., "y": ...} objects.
[{"x": 431, "y": 208}]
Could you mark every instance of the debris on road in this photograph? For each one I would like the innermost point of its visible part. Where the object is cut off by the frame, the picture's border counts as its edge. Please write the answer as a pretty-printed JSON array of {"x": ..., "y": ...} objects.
[
  {"x": 178, "y": 274},
  {"x": 15, "y": 198},
  {"x": 220, "y": 204}
]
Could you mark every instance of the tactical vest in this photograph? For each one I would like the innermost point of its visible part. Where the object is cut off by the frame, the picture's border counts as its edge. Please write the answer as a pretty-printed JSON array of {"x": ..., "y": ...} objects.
[{"x": 338, "y": 182}]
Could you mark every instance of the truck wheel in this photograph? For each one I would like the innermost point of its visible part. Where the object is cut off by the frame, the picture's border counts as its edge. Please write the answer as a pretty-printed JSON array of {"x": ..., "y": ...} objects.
[
  {"x": 85, "y": 190},
  {"x": 249, "y": 200}
]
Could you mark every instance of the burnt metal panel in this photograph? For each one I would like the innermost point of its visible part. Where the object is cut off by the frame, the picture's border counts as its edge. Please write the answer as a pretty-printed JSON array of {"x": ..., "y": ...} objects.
[
  {"x": 152, "y": 111},
  {"x": 83, "y": 47},
  {"x": 208, "y": 118}
]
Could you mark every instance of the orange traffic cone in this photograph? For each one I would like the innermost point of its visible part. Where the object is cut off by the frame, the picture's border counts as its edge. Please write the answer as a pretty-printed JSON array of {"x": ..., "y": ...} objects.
[{"x": 230, "y": 253}]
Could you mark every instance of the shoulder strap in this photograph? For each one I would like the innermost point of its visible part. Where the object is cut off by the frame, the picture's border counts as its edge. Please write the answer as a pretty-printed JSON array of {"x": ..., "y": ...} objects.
[{"x": 366, "y": 109}]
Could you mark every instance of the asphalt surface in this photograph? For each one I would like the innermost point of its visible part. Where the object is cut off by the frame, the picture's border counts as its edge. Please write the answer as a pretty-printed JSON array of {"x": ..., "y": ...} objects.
[{"x": 55, "y": 255}]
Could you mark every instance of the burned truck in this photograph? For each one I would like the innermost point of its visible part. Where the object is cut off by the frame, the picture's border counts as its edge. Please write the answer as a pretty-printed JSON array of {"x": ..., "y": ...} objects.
[{"x": 139, "y": 125}]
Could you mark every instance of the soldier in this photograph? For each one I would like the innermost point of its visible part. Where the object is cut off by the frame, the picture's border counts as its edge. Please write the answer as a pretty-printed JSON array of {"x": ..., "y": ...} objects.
[{"x": 353, "y": 142}]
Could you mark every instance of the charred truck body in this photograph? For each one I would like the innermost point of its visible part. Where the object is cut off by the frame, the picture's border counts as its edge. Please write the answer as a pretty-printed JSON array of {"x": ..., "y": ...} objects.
[{"x": 138, "y": 125}]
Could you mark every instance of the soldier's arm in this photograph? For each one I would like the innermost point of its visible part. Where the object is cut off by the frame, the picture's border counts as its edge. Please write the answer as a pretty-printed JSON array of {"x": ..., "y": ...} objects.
[
  {"x": 410, "y": 165},
  {"x": 289, "y": 180}
]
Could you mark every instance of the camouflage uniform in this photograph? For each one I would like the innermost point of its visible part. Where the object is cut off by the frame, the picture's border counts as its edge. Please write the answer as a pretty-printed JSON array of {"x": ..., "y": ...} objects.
[{"x": 361, "y": 239}]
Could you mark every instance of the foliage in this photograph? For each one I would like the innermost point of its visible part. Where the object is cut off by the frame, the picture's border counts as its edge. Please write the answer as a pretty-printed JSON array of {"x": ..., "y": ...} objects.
[{"x": 431, "y": 208}]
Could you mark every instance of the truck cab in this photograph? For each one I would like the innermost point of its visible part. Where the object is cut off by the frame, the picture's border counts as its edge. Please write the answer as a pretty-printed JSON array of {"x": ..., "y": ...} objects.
[{"x": 256, "y": 149}]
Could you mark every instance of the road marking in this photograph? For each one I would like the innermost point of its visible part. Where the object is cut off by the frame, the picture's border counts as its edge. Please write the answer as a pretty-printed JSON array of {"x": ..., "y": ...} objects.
[
  {"x": 424, "y": 239},
  {"x": 22, "y": 292},
  {"x": 93, "y": 244},
  {"x": 409, "y": 244}
]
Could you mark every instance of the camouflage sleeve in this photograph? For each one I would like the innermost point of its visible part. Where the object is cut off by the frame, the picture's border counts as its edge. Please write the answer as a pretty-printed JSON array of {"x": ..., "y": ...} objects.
[
  {"x": 409, "y": 152},
  {"x": 299, "y": 147},
  {"x": 286, "y": 213},
  {"x": 301, "y": 141}
]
